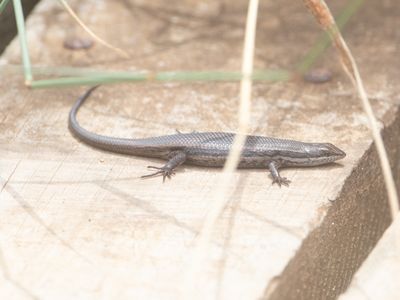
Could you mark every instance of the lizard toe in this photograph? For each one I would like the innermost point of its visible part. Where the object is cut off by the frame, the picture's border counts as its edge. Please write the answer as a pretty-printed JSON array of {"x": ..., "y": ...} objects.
[{"x": 281, "y": 181}]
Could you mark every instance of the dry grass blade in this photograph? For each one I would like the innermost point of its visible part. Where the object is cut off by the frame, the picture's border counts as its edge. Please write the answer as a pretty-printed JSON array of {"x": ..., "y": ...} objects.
[
  {"x": 199, "y": 263},
  {"x": 324, "y": 17},
  {"x": 90, "y": 32}
]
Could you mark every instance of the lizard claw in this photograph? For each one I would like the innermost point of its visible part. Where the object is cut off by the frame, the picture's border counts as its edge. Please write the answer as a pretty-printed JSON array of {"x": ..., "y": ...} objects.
[
  {"x": 281, "y": 181},
  {"x": 180, "y": 132},
  {"x": 164, "y": 171}
]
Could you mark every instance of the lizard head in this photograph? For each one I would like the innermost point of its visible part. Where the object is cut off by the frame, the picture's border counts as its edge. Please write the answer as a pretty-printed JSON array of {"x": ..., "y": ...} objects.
[{"x": 323, "y": 153}]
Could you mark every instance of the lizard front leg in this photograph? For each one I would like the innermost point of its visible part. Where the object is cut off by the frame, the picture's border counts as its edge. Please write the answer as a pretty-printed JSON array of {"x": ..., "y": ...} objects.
[
  {"x": 276, "y": 177},
  {"x": 176, "y": 159}
]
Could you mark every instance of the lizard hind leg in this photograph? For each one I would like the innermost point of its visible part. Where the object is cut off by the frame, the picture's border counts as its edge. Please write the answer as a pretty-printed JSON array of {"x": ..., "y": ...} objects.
[
  {"x": 276, "y": 177},
  {"x": 176, "y": 159}
]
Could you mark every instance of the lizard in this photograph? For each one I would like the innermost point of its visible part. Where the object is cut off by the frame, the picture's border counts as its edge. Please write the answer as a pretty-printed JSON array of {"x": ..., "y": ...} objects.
[{"x": 210, "y": 149}]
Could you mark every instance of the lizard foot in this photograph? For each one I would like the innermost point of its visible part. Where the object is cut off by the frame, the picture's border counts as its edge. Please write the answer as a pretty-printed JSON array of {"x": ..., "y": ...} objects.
[
  {"x": 164, "y": 171},
  {"x": 281, "y": 181}
]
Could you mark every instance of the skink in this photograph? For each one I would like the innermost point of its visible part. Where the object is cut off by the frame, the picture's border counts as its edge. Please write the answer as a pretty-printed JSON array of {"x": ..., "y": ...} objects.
[{"x": 210, "y": 149}]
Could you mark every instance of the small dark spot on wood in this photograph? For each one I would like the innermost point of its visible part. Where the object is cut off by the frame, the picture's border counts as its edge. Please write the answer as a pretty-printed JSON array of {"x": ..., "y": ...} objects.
[
  {"x": 318, "y": 76},
  {"x": 77, "y": 43}
]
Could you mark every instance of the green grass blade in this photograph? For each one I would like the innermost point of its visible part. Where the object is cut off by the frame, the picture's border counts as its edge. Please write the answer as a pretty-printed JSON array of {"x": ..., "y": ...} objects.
[
  {"x": 19, "y": 17},
  {"x": 3, "y": 5},
  {"x": 113, "y": 77},
  {"x": 87, "y": 76}
]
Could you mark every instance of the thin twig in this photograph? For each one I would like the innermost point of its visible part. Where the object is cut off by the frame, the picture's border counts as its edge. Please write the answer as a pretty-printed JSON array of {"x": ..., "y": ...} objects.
[
  {"x": 324, "y": 17},
  {"x": 90, "y": 32},
  {"x": 220, "y": 199},
  {"x": 324, "y": 40}
]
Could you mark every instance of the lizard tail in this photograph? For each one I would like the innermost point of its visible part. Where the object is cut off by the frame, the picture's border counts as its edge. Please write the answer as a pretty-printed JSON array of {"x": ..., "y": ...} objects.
[{"x": 72, "y": 121}]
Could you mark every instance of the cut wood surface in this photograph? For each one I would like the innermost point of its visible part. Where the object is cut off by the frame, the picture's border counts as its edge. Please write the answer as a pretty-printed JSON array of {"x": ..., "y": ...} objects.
[{"x": 79, "y": 223}]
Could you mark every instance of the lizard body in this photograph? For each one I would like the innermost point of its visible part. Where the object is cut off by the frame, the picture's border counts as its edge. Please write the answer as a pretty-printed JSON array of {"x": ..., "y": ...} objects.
[{"x": 210, "y": 149}]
